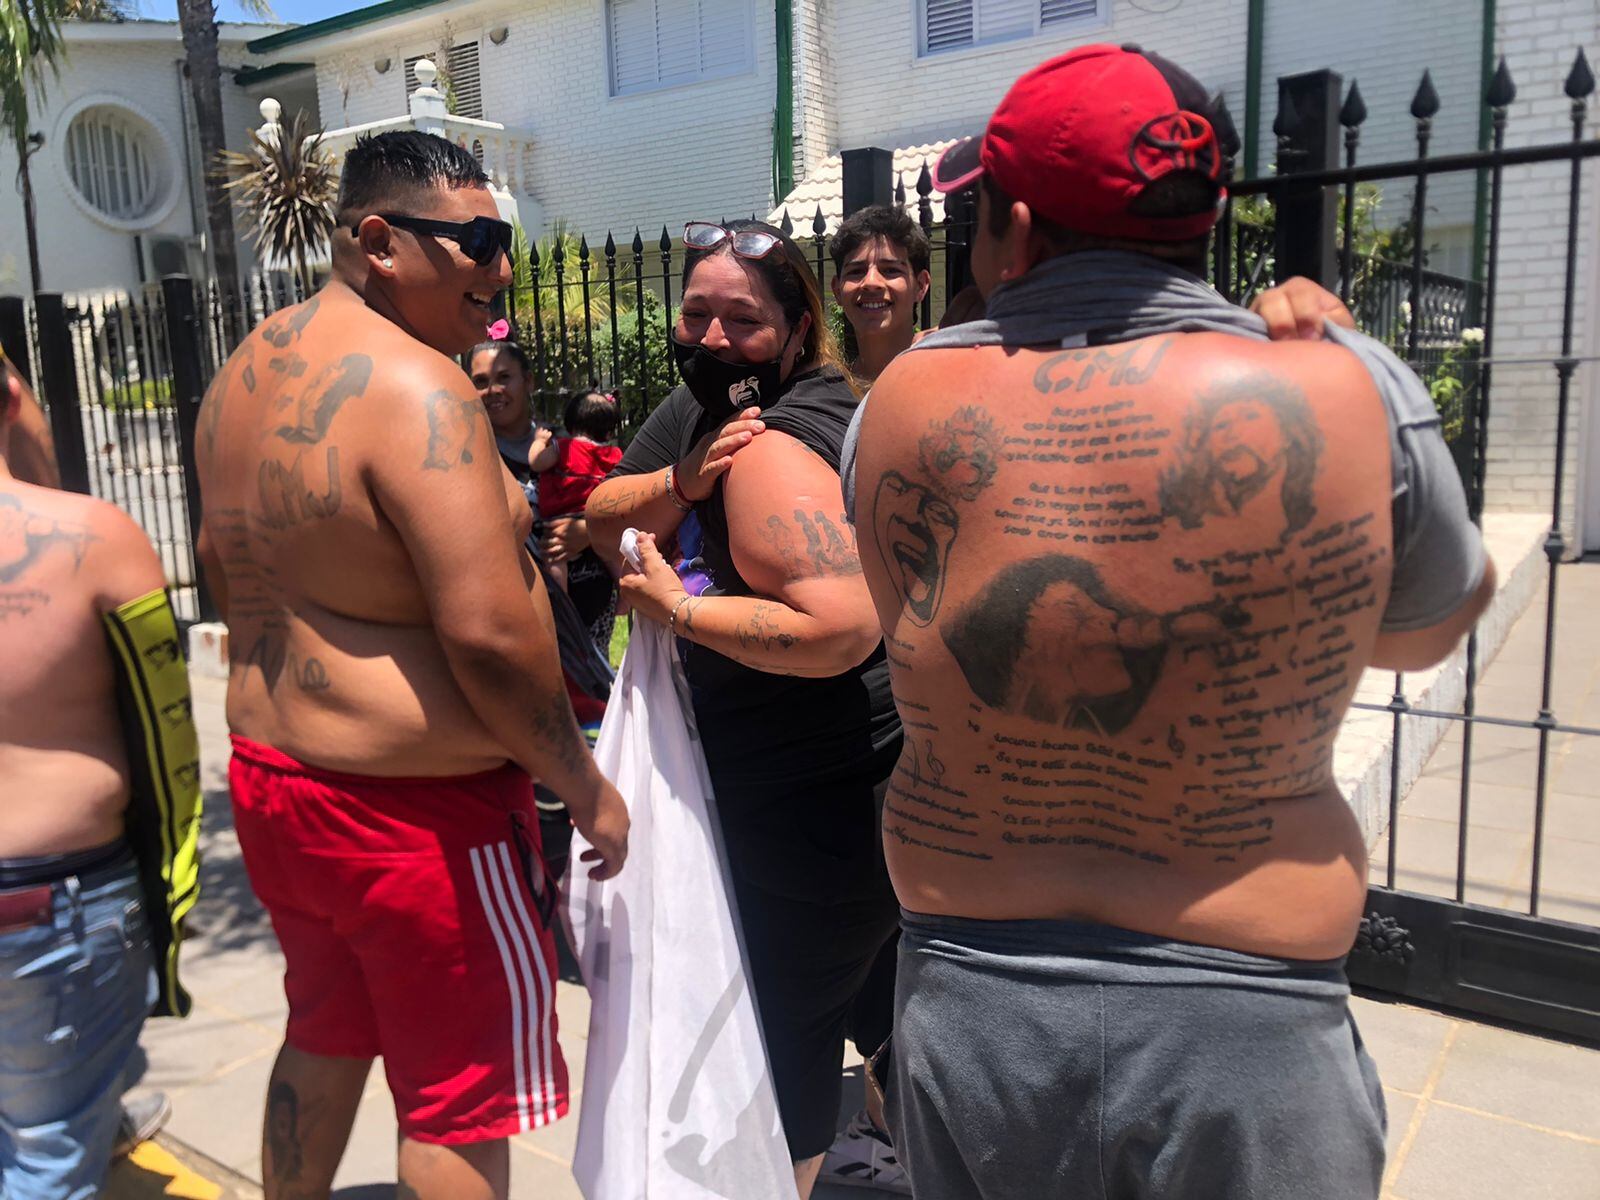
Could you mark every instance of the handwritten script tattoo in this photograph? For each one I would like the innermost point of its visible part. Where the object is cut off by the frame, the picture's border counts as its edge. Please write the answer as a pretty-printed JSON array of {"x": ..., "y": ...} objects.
[
  {"x": 830, "y": 547},
  {"x": 287, "y": 500},
  {"x": 1238, "y": 439},
  {"x": 321, "y": 401},
  {"x": 27, "y": 535},
  {"x": 764, "y": 630},
  {"x": 961, "y": 455},
  {"x": 1077, "y": 370},
  {"x": 916, "y": 529},
  {"x": 452, "y": 427}
]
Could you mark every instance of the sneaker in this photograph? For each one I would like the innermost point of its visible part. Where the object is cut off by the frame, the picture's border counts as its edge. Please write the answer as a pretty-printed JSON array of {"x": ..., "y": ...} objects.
[
  {"x": 863, "y": 1156},
  {"x": 141, "y": 1120}
]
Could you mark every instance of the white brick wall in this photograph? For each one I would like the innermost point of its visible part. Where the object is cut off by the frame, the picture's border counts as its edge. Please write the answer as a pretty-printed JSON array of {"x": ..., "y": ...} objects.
[
  {"x": 77, "y": 252},
  {"x": 1539, "y": 40},
  {"x": 816, "y": 84},
  {"x": 1386, "y": 46},
  {"x": 887, "y": 96},
  {"x": 600, "y": 162}
]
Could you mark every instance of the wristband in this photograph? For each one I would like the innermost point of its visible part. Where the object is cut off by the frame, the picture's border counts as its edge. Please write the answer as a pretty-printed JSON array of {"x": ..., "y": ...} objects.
[
  {"x": 672, "y": 621},
  {"x": 679, "y": 500}
]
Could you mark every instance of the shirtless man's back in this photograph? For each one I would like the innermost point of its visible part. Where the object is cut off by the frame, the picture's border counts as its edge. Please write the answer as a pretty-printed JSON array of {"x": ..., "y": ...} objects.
[
  {"x": 82, "y": 936},
  {"x": 393, "y": 690},
  {"x": 1129, "y": 589}
]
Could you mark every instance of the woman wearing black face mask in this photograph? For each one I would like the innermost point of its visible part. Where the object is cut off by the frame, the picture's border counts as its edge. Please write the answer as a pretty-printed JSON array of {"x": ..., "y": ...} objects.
[{"x": 790, "y": 687}]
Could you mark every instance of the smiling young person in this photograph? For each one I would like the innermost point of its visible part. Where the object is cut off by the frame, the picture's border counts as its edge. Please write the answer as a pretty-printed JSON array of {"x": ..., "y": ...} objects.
[
  {"x": 880, "y": 261},
  {"x": 394, "y": 689}
]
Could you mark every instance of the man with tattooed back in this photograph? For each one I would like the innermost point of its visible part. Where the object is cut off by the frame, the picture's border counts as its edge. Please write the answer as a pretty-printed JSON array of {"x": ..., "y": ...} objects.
[
  {"x": 394, "y": 689},
  {"x": 1131, "y": 559}
]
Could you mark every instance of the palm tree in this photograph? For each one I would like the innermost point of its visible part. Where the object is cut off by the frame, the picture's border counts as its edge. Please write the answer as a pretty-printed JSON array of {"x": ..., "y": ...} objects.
[
  {"x": 288, "y": 187},
  {"x": 198, "y": 21},
  {"x": 31, "y": 48}
]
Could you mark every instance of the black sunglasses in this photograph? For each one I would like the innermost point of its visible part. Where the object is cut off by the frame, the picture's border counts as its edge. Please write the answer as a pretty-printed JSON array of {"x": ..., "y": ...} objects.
[{"x": 481, "y": 239}]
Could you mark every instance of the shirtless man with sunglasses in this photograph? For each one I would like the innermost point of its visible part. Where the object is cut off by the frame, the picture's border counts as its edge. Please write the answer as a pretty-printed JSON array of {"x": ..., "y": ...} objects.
[{"x": 394, "y": 690}]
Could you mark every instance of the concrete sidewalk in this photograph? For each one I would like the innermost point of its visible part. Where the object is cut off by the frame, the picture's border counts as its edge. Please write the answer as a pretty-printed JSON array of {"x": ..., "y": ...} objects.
[{"x": 1475, "y": 1112}]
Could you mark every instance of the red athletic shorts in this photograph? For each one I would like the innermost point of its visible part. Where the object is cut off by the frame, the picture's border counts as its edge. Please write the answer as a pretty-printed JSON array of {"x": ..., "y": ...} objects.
[{"x": 412, "y": 918}]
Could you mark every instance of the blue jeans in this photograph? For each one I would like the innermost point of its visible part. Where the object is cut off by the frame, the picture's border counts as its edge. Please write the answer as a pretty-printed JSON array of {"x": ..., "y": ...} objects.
[{"x": 74, "y": 993}]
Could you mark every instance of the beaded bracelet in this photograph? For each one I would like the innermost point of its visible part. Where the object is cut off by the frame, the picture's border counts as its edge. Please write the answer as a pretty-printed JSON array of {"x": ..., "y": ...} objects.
[
  {"x": 672, "y": 621},
  {"x": 679, "y": 500}
]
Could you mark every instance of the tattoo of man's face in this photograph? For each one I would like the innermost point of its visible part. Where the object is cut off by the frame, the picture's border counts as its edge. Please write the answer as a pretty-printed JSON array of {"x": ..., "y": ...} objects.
[
  {"x": 962, "y": 454},
  {"x": 1049, "y": 641},
  {"x": 915, "y": 530},
  {"x": 1237, "y": 440}
]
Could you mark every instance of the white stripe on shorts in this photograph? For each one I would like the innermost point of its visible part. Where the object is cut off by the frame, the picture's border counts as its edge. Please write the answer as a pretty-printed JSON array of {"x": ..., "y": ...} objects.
[
  {"x": 519, "y": 981},
  {"x": 544, "y": 1011}
]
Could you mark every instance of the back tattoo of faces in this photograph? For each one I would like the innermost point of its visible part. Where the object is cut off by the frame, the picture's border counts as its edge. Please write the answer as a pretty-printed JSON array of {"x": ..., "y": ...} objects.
[{"x": 916, "y": 523}]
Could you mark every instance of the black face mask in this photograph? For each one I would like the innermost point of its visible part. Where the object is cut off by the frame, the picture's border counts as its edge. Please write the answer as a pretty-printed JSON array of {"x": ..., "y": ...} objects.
[{"x": 723, "y": 388}]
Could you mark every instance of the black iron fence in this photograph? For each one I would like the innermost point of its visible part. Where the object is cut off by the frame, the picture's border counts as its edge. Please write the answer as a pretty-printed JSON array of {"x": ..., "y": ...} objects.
[{"x": 1522, "y": 965}]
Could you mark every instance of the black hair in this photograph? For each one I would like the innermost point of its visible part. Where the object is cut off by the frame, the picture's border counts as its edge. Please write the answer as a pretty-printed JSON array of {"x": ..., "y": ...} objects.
[
  {"x": 885, "y": 221},
  {"x": 792, "y": 282},
  {"x": 388, "y": 170},
  {"x": 510, "y": 347},
  {"x": 592, "y": 414},
  {"x": 1178, "y": 194}
]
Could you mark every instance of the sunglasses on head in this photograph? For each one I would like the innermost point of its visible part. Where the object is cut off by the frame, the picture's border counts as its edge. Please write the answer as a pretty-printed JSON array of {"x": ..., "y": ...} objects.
[
  {"x": 482, "y": 239},
  {"x": 746, "y": 243}
]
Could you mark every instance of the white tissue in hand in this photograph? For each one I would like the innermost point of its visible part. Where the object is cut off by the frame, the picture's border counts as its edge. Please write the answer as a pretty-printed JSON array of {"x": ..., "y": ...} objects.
[{"x": 630, "y": 548}]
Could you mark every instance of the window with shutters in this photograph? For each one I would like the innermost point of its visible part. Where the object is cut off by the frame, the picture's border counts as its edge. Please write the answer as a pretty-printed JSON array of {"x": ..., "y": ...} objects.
[
  {"x": 459, "y": 78},
  {"x": 116, "y": 162},
  {"x": 662, "y": 43},
  {"x": 961, "y": 24}
]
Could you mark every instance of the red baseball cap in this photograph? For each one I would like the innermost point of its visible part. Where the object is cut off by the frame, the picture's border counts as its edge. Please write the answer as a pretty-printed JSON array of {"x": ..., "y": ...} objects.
[{"x": 1079, "y": 138}]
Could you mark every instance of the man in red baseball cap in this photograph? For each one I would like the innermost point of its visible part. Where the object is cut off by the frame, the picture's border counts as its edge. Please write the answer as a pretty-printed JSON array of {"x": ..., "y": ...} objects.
[{"x": 1131, "y": 559}]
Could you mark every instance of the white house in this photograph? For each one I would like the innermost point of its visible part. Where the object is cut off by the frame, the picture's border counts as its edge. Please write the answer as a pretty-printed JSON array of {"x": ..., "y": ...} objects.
[{"x": 117, "y": 180}]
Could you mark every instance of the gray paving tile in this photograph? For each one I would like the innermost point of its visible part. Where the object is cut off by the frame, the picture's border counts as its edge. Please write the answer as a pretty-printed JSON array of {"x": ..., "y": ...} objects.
[
  {"x": 1402, "y": 1040},
  {"x": 535, "y": 1177},
  {"x": 1574, "y": 817},
  {"x": 222, "y": 1118},
  {"x": 1463, "y": 1156},
  {"x": 369, "y": 1158},
  {"x": 1570, "y": 867},
  {"x": 1516, "y": 765},
  {"x": 1530, "y": 1079},
  {"x": 1490, "y": 805},
  {"x": 1400, "y": 1111},
  {"x": 186, "y": 1053},
  {"x": 1426, "y": 859}
]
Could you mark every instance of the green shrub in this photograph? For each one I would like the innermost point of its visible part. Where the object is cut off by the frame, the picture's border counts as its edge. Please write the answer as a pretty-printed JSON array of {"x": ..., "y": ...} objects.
[{"x": 146, "y": 394}]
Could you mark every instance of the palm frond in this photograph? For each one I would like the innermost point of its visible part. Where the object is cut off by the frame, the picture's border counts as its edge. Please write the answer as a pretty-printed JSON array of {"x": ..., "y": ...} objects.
[
  {"x": 31, "y": 49},
  {"x": 286, "y": 187}
]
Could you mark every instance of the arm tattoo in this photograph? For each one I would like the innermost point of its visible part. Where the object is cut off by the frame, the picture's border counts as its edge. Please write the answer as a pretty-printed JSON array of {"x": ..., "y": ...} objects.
[
  {"x": 452, "y": 428},
  {"x": 764, "y": 630},
  {"x": 626, "y": 499},
  {"x": 829, "y": 550}
]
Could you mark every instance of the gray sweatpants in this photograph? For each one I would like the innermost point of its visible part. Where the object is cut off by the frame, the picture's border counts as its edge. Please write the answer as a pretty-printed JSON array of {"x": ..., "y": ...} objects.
[{"x": 1037, "y": 1060}]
